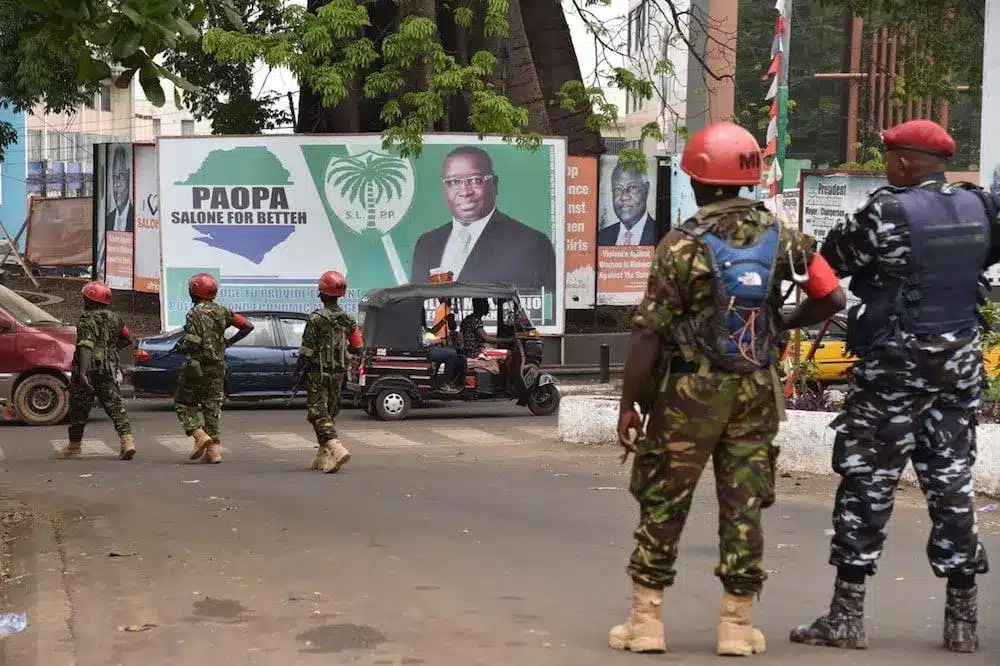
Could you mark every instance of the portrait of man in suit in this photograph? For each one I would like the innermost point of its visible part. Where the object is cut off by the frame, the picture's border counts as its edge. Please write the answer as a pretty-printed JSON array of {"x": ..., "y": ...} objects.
[
  {"x": 630, "y": 198},
  {"x": 121, "y": 217},
  {"x": 481, "y": 243}
]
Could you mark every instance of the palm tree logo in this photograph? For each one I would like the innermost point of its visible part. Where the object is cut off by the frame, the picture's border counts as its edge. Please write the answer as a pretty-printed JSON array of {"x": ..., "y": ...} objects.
[{"x": 371, "y": 182}]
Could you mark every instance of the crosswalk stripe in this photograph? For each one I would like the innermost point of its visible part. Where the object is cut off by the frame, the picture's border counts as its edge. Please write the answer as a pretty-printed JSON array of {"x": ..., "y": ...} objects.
[
  {"x": 180, "y": 444},
  {"x": 472, "y": 436},
  {"x": 383, "y": 439},
  {"x": 538, "y": 431},
  {"x": 91, "y": 447},
  {"x": 283, "y": 441}
]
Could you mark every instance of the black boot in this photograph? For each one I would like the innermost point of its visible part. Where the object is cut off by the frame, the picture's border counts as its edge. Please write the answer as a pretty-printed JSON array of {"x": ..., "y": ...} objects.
[
  {"x": 844, "y": 626},
  {"x": 960, "y": 612}
]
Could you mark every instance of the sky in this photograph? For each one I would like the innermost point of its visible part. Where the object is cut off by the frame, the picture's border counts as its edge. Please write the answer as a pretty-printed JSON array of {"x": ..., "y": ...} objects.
[{"x": 270, "y": 82}]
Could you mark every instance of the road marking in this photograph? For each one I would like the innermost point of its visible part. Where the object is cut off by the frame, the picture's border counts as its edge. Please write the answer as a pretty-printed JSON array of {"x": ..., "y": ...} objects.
[
  {"x": 180, "y": 444},
  {"x": 383, "y": 439},
  {"x": 283, "y": 441},
  {"x": 91, "y": 447},
  {"x": 473, "y": 436},
  {"x": 545, "y": 432}
]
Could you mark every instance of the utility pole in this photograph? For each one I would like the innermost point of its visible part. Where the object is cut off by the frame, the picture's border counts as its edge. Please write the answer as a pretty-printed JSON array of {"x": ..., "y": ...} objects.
[{"x": 784, "y": 8}]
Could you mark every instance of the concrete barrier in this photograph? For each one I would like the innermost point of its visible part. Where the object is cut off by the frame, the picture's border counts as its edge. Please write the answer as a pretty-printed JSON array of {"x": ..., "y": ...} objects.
[{"x": 806, "y": 439}]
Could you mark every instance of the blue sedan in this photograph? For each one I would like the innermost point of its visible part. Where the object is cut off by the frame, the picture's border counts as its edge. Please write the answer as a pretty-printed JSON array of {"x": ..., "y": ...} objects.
[{"x": 258, "y": 367}]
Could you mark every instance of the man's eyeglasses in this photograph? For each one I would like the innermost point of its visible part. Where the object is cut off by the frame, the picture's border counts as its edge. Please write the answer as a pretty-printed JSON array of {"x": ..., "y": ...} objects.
[
  {"x": 471, "y": 181},
  {"x": 631, "y": 190}
]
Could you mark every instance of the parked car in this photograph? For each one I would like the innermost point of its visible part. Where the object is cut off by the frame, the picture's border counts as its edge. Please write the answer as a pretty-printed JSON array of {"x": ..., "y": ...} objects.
[
  {"x": 36, "y": 357},
  {"x": 832, "y": 361},
  {"x": 258, "y": 367}
]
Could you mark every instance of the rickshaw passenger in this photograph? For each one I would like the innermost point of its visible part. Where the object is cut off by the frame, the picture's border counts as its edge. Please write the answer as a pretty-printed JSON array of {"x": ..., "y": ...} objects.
[
  {"x": 474, "y": 335},
  {"x": 439, "y": 352}
]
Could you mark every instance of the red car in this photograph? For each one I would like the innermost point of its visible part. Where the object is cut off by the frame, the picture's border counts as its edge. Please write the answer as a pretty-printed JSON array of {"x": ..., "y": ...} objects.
[{"x": 36, "y": 356}]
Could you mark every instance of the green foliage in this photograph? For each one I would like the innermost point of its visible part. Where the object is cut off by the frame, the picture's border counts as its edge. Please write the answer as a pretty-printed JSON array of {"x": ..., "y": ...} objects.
[
  {"x": 872, "y": 162},
  {"x": 225, "y": 89}
]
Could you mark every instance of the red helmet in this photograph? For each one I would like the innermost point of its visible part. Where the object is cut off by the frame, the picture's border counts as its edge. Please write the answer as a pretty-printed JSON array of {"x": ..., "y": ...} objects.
[
  {"x": 203, "y": 285},
  {"x": 722, "y": 153},
  {"x": 97, "y": 292},
  {"x": 332, "y": 283}
]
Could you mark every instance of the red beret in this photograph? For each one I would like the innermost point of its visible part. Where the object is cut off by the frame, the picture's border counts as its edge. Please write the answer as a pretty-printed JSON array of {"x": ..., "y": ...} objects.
[{"x": 922, "y": 135}]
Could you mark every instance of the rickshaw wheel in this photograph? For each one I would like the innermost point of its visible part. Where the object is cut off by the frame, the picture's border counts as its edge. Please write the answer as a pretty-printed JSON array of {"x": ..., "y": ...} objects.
[
  {"x": 392, "y": 404},
  {"x": 544, "y": 400}
]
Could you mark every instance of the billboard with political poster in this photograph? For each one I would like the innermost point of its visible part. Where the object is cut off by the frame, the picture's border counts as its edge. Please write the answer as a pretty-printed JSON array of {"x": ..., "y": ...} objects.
[
  {"x": 268, "y": 214},
  {"x": 581, "y": 232},
  {"x": 147, "y": 221}
]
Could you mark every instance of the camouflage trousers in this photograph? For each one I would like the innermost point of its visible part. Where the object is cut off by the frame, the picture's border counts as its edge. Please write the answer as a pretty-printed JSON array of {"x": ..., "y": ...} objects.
[
  {"x": 198, "y": 401},
  {"x": 81, "y": 400},
  {"x": 323, "y": 403},
  {"x": 731, "y": 419},
  {"x": 877, "y": 434}
]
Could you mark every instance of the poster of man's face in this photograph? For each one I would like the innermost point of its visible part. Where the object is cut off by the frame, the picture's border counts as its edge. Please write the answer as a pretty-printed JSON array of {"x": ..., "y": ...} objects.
[
  {"x": 628, "y": 220},
  {"x": 120, "y": 214}
]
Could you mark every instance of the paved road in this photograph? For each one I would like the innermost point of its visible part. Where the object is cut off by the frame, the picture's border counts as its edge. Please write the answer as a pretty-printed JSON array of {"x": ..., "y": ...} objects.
[{"x": 459, "y": 537}]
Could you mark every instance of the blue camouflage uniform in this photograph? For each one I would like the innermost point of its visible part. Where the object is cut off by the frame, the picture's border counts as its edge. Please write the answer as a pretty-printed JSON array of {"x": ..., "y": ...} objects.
[{"x": 915, "y": 257}]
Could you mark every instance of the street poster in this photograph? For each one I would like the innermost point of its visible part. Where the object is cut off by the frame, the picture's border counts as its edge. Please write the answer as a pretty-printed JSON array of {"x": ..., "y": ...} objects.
[
  {"x": 267, "y": 215},
  {"x": 581, "y": 232},
  {"x": 114, "y": 212},
  {"x": 627, "y": 231},
  {"x": 59, "y": 231},
  {"x": 147, "y": 221},
  {"x": 828, "y": 198}
]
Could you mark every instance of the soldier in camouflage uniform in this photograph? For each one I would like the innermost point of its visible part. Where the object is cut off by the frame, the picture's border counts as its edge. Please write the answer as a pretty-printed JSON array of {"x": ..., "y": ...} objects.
[
  {"x": 330, "y": 333},
  {"x": 915, "y": 252},
  {"x": 100, "y": 334},
  {"x": 702, "y": 366},
  {"x": 201, "y": 387}
]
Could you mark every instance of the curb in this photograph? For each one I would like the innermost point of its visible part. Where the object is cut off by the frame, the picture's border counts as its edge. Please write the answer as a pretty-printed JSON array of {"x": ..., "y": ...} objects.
[{"x": 806, "y": 440}]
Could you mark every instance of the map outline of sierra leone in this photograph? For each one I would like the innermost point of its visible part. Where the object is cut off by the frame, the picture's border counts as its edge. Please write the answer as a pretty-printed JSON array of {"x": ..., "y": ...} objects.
[{"x": 242, "y": 166}]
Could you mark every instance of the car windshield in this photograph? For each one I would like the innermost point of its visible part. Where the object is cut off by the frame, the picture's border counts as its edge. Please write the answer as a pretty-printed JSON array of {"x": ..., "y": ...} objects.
[{"x": 24, "y": 310}]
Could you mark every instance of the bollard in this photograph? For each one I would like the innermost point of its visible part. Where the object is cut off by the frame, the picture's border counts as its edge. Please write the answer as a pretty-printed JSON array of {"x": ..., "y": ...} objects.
[{"x": 605, "y": 363}]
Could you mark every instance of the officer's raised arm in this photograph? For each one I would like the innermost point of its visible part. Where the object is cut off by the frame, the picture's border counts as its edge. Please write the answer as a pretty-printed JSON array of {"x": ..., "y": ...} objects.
[
  {"x": 243, "y": 326},
  {"x": 825, "y": 296}
]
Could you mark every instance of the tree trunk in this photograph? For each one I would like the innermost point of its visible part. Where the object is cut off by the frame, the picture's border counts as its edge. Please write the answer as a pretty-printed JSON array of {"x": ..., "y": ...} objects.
[
  {"x": 518, "y": 74},
  {"x": 556, "y": 63}
]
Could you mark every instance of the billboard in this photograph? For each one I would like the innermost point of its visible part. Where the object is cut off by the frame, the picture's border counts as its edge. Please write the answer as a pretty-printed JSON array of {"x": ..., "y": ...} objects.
[
  {"x": 114, "y": 214},
  {"x": 147, "y": 221},
  {"x": 60, "y": 231},
  {"x": 268, "y": 214},
  {"x": 628, "y": 231},
  {"x": 581, "y": 232},
  {"x": 14, "y": 175}
]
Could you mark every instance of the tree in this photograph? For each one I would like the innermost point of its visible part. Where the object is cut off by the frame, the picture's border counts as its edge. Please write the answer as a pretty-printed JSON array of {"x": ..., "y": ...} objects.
[{"x": 225, "y": 89}]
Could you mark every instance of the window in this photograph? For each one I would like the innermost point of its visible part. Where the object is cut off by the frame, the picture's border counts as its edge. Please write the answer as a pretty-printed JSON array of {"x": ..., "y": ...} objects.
[
  {"x": 156, "y": 127},
  {"x": 105, "y": 98},
  {"x": 34, "y": 145},
  {"x": 291, "y": 330},
  {"x": 261, "y": 336},
  {"x": 187, "y": 128}
]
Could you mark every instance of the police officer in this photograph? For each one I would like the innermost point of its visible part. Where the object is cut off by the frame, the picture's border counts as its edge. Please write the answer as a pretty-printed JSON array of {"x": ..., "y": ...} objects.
[
  {"x": 915, "y": 252},
  {"x": 100, "y": 333},
  {"x": 702, "y": 365},
  {"x": 329, "y": 334},
  {"x": 201, "y": 387}
]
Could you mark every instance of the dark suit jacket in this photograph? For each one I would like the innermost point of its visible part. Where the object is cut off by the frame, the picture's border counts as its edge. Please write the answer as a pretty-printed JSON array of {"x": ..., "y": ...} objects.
[
  {"x": 650, "y": 233},
  {"x": 109, "y": 220},
  {"x": 507, "y": 251}
]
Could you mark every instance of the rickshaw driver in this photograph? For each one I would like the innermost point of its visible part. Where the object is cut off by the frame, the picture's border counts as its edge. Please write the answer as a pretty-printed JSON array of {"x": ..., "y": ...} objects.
[
  {"x": 439, "y": 351},
  {"x": 474, "y": 335}
]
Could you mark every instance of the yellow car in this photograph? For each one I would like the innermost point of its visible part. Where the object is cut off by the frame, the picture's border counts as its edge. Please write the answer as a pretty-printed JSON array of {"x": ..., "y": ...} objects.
[{"x": 833, "y": 363}]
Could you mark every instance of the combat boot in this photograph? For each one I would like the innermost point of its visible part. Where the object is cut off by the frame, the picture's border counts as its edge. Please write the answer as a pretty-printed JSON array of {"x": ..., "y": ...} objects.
[
  {"x": 322, "y": 454},
  {"x": 844, "y": 626},
  {"x": 643, "y": 631},
  {"x": 201, "y": 442},
  {"x": 127, "y": 450},
  {"x": 335, "y": 457},
  {"x": 737, "y": 637},
  {"x": 71, "y": 450},
  {"x": 960, "y": 611},
  {"x": 213, "y": 452}
]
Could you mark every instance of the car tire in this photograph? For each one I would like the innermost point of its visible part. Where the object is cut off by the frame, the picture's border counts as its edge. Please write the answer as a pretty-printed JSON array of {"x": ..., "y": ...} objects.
[
  {"x": 42, "y": 400},
  {"x": 392, "y": 404},
  {"x": 544, "y": 400}
]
